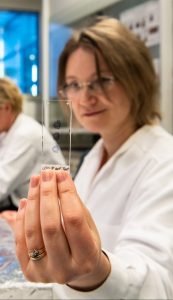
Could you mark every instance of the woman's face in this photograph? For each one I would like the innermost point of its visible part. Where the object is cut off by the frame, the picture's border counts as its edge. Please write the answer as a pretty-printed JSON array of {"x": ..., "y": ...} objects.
[
  {"x": 5, "y": 116},
  {"x": 95, "y": 111}
]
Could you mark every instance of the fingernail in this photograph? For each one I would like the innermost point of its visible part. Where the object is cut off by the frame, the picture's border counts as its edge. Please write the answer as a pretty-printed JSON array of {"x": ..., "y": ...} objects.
[
  {"x": 61, "y": 175},
  {"x": 34, "y": 181},
  {"x": 22, "y": 203},
  {"x": 46, "y": 175}
]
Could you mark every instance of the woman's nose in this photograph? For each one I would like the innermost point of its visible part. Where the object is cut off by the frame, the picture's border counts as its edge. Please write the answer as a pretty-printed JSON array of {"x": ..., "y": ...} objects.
[{"x": 86, "y": 95}]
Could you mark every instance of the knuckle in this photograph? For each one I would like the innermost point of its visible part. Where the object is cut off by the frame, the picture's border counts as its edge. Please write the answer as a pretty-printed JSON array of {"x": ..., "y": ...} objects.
[
  {"x": 74, "y": 220},
  {"x": 50, "y": 229},
  {"x": 32, "y": 195},
  {"x": 46, "y": 189},
  {"x": 46, "y": 192},
  {"x": 30, "y": 232}
]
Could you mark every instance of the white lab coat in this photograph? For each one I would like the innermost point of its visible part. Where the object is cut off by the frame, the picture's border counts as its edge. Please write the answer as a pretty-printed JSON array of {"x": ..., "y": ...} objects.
[
  {"x": 21, "y": 156},
  {"x": 131, "y": 201}
]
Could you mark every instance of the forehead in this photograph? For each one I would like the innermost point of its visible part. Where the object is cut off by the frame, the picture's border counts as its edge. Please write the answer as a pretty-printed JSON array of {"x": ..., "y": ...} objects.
[{"x": 82, "y": 62}]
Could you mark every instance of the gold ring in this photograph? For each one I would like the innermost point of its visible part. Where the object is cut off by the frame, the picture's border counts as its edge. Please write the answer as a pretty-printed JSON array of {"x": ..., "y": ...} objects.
[{"x": 37, "y": 254}]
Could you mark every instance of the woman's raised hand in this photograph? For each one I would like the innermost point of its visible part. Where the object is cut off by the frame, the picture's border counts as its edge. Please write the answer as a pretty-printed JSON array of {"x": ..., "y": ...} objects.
[{"x": 56, "y": 238}]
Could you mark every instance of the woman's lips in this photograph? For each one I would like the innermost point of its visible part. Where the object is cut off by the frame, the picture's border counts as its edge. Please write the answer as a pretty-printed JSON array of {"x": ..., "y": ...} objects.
[{"x": 93, "y": 113}]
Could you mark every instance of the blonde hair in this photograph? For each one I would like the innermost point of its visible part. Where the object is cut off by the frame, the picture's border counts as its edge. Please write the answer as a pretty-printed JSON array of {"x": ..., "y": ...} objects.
[
  {"x": 128, "y": 59},
  {"x": 9, "y": 92}
]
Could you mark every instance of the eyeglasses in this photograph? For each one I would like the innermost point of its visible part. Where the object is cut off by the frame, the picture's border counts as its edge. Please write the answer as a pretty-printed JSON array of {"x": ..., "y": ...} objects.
[{"x": 72, "y": 90}]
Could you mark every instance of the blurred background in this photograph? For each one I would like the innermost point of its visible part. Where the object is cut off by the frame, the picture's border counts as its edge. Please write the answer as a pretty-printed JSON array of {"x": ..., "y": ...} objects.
[{"x": 33, "y": 33}]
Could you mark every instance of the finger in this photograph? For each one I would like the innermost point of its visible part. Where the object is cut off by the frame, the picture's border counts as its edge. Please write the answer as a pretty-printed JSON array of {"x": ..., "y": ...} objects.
[
  {"x": 53, "y": 232},
  {"x": 81, "y": 233},
  {"x": 9, "y": 214},
  {"x": 10, "y": 217},
  {"x": 21, "y": 247},
  {"x": 34, "y": 239}
]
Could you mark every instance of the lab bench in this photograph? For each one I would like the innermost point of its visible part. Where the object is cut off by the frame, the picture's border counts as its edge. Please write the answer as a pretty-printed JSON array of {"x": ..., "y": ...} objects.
[{"x": 12, "y": 282}]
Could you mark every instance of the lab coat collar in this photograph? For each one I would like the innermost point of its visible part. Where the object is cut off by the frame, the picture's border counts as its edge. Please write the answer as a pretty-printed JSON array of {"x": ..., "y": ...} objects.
[{"x": 137, "y": 138}]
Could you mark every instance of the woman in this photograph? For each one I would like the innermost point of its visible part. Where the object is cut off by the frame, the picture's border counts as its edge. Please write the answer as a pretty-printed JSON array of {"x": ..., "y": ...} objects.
[{"x": 111, "y": 236}]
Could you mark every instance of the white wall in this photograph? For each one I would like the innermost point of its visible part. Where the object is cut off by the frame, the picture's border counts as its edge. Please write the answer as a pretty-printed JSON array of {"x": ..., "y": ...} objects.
[
  {"x": 166, "y": 58},
  {"x": 67, "y": 11}
]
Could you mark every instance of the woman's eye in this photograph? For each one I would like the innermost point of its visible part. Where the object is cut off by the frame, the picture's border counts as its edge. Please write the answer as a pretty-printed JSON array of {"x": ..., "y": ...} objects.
[
  {"x": 100, "y": 82},
  {"x": 73, "y": 85},
  {"x": 104, "y": 80}
]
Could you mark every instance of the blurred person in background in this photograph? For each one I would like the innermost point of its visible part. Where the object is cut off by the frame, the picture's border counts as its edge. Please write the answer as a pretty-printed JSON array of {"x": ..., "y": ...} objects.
[
  {"x": 20, "y": 147},
  {"x": 108, "y": 234}
]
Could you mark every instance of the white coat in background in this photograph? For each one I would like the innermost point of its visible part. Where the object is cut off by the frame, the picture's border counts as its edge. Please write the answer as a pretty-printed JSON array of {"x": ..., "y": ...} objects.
[{"x": 21, "y": 156}]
